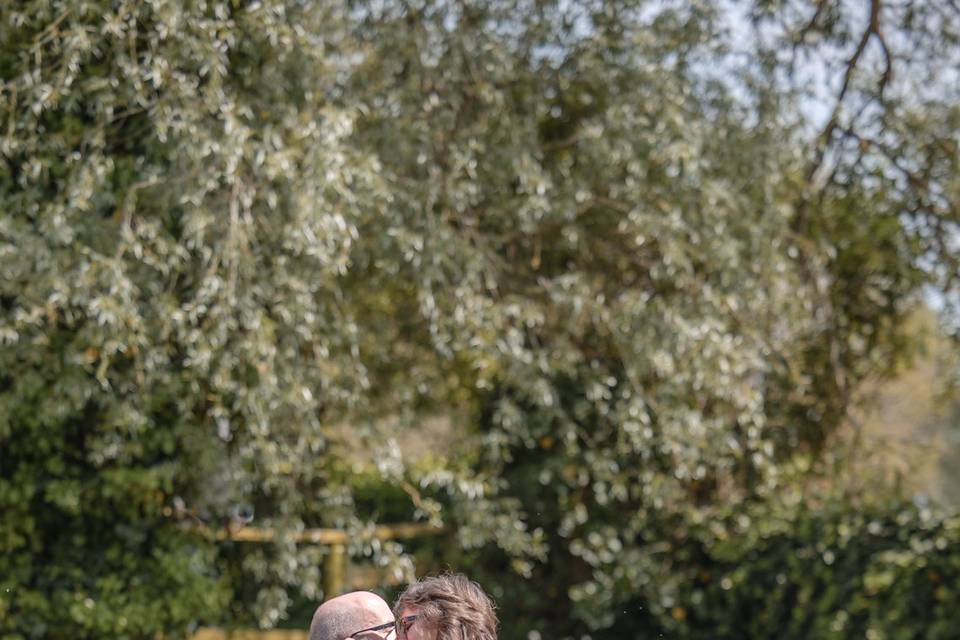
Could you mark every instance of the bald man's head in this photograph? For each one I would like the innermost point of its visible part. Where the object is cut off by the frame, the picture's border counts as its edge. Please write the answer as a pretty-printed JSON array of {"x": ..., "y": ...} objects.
[{"x": 340, "y": 617}]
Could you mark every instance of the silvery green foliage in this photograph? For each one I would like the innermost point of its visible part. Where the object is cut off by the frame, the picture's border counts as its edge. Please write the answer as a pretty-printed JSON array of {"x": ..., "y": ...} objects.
[
  {"x": 574, "y": 210},
  {"x": 604, "y": 232},
  {"x": 180, "y": 207}
]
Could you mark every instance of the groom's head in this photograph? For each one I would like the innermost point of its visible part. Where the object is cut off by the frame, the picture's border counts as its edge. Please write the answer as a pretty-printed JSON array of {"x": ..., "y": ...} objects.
[{"x": 361, "y": 615}]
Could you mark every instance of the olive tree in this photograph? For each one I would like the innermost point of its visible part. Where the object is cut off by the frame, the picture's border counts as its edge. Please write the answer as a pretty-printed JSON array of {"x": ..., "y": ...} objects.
[{"x": 613, "y": 240}]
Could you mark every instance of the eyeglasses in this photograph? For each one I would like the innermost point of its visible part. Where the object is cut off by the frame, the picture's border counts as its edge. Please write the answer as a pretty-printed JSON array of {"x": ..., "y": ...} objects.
[
  {"x": 384, "y": 631},
  {"x": 404, "y": 624}
]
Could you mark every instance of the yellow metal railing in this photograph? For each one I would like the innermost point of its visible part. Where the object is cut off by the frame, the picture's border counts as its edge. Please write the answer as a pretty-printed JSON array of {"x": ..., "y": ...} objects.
[{"x": 335, "y": 563}]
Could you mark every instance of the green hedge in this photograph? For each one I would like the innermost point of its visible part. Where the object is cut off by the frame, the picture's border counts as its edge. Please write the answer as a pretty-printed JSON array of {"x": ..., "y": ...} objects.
[{"x": 839, "y": 571}]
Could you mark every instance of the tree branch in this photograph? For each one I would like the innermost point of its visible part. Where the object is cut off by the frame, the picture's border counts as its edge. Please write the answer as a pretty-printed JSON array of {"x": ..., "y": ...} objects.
[{"x": 872, "y": 31}]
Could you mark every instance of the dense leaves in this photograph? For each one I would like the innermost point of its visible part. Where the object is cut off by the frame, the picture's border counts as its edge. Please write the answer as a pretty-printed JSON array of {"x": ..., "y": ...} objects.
[
  {"x": 617, "y": 244},
  {"x": 877, "y": 571},
  {"x": 178, "y": 212},
  {"x": 789, "y": 569}
]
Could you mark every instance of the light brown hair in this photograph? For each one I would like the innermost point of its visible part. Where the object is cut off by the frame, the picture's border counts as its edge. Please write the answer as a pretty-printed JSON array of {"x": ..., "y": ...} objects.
[{"x": 454, "y": 605}]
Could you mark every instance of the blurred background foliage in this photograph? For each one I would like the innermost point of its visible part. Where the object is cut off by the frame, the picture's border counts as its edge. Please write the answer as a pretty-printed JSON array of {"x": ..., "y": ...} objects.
[{"x": 606, "y": 288}]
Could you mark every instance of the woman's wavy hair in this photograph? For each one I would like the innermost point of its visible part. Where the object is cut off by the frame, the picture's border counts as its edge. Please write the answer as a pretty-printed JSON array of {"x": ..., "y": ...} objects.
[{"x": 454, "y": 605}]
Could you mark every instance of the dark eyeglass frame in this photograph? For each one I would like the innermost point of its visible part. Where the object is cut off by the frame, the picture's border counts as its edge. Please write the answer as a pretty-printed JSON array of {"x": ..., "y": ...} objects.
[
  {"x": 404, "y": 624},
  {"x": 376, "y": 629}
]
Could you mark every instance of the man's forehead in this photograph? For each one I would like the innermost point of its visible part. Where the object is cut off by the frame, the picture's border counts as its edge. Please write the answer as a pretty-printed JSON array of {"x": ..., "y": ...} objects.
[
  {"x": 368, "y": 610},
  {"x": 366, "y": 600},
  {"x": 365, "y": 609}
]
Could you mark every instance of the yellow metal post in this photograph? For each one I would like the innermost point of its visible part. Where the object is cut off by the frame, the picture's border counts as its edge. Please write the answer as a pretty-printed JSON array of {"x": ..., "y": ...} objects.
[{"x": 335, "y": 571}]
